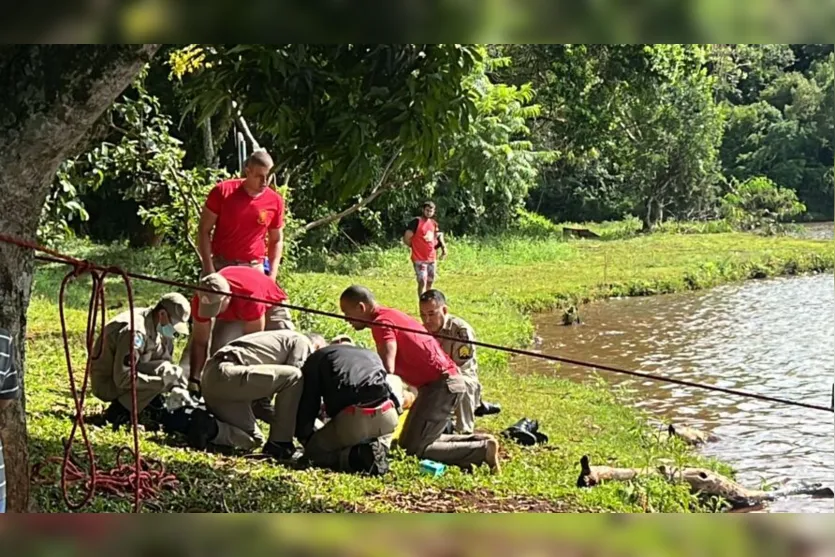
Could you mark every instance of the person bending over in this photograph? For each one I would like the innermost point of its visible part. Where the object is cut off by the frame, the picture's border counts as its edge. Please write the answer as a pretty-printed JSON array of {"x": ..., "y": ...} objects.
[{"x": 420, "y": 361}]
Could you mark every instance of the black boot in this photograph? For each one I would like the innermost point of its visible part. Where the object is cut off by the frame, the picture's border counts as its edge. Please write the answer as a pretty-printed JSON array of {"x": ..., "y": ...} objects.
[
  {"x": 533, "y": 428},
  {"x": 117, "y": 415},
  {"x": 521, "y": 433},
  {"x": 369, "y": 458},
  {"x": 487, "y": 409},
  {"x": 282, "y": 452},
  {"x": 202, "y": 428}
]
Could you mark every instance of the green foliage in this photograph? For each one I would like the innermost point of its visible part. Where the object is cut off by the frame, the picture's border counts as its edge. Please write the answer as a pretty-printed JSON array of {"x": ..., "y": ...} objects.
[
  {"x": 759, "y": 204},
  {"x": 338, "y": 113},
  {"x": 783, "y": 127}
]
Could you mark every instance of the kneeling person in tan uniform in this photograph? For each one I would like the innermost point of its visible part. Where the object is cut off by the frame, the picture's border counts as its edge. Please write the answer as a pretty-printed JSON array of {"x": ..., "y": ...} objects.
[
  {"x": 437, "y": 319},
  {"x": 256, "y": 366},
  {"x": 360, "y": 405},
  {"x": 153, "y": 344}
]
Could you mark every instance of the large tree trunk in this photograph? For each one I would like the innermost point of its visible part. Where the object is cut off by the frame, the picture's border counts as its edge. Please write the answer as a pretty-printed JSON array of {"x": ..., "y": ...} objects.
[{"x": 50, "y": 98}]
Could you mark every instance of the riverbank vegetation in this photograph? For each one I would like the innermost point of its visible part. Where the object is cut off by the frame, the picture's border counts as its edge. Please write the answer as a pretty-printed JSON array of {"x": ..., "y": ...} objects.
[{"x": 494, "y": 285}]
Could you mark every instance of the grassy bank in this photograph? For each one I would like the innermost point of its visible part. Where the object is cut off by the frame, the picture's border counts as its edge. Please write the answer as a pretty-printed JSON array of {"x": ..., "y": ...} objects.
[{"x": 493, "y": 284}]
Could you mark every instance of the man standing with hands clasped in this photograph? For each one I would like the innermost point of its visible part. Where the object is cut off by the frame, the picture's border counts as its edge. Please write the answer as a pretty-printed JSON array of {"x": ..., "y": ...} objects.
[
  {"x": 423, "y": 237},
  {"x": 239, "y": 215}
]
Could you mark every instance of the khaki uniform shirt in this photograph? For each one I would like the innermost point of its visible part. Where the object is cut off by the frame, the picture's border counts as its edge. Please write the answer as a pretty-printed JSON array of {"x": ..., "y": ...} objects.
[
  {"x": 462, "y": 351},
  {"x": 281, "y": 347},
  {"x": 110, "y": 373}
]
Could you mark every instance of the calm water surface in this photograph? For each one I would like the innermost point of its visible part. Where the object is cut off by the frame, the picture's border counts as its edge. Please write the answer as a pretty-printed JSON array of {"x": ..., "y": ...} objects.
[{"x": 774, "y": 337}]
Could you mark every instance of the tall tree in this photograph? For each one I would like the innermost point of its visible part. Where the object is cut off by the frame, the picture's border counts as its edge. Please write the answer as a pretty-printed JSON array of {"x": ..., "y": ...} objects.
[{"x": 51, "y": 96}]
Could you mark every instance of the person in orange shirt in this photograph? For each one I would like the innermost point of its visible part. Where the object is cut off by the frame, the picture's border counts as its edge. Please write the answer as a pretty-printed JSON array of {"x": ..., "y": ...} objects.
[{"x": 423, "y": 236}]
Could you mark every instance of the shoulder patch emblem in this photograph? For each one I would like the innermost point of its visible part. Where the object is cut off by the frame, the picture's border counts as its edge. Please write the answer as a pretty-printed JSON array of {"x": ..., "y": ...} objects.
[
  {"x": 464, "y": 333},
  {"x": 465, "y": 352},
  {"x": 138, "y": 340}
]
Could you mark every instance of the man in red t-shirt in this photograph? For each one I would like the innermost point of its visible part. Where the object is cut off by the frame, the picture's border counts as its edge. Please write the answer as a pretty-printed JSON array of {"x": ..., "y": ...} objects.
[
  {"x": 421, "y": 362},
  {"x": 239, "y": 215},
  {"x": 424, "y": 237},
  {"x": 232, "y": 317}
]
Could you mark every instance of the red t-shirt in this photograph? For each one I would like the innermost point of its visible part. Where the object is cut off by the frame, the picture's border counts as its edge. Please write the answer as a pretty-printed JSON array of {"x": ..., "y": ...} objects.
[
  {"x": 424, "y": 239},
  {"x": 243, "y": 220},
  {"x": 420, "y": 359},
  {"x": 247, "y": 282}
]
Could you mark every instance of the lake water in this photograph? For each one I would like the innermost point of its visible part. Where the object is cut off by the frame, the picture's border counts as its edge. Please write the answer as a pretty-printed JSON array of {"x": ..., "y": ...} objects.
[{"x": 774, "y": 337}]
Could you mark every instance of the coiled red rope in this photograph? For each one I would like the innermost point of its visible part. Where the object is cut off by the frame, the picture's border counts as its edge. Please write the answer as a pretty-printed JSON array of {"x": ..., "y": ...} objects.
[{"x": 144, "y": 479}]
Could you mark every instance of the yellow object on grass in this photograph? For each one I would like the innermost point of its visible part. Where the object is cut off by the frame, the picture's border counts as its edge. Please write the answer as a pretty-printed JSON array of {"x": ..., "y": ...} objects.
[{"x": 400, "y": 422}]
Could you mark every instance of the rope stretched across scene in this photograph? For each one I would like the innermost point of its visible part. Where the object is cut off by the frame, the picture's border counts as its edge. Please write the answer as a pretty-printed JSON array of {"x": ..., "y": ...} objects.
[{"x": 57, "y": 257}]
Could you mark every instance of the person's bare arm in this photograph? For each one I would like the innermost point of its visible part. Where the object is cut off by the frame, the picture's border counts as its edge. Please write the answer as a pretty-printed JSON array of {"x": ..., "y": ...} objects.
[
  {"x": 442, "y": 244},
  {"x": 407, "y": 238},
  {"x": 388, "y": 353},
  {"x": 208, "y": 219},
  {"x": 274, "y": 250},
  {"x": 200, "y": 335},
  {"x": 254, "y": 326}
]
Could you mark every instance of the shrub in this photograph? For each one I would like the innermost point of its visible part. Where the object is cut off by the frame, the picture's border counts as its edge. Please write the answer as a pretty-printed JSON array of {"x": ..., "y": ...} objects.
[{"x": 760, "y": 204}]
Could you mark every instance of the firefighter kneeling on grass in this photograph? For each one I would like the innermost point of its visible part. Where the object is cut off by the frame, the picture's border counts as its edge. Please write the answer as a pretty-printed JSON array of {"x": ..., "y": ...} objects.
[
  {"x": 359, "y": 405},
  {"x": 259, "y": 366},
  {"x": 153, "y": 346}
]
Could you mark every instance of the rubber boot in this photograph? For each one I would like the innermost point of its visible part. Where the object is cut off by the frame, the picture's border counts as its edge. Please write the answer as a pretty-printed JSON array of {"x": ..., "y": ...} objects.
[{"x": 520, "y": 432}]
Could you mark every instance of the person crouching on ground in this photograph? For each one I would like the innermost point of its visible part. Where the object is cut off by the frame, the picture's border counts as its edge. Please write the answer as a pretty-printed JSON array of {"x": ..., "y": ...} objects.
[
  {"x": 263, "y": 365},
  {"x": 153, "y": 344},
  {"x": 220, "y": 318},
  {"x": 360, "y": 408},
  {"x": 420, "y": 361},
  {"x": 436, "y": 318}
]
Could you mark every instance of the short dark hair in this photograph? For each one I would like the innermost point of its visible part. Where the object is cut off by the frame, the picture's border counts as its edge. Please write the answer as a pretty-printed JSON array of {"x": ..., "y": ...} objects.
[
  {"x": 260, "y": 158},
  {"x": 358, "y": 294},
  {"x": 433, "y": 295},
  {"x": 428, "y": 204}
]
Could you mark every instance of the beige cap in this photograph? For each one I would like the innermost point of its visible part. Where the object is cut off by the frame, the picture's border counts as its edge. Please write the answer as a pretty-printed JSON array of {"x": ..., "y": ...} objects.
[
  {"x": 210, "y": 302},
  {"x": 178, "y": 310}
]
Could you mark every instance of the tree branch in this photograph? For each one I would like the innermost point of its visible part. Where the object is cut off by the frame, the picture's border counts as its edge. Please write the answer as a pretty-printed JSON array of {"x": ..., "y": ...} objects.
[
  {"x": 244, "y": 127},
  {"x": 381, "y": 187}
]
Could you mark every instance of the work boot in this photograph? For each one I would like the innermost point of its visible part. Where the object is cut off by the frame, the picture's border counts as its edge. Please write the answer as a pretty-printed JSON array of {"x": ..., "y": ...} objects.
[
  {"x": 521, "y": 433},
  {"x": 282, "y": 452},
  {"x": 369, "y": 458},
  {"x": 201, "y": 429},
  {"x": 263, "y": 409},
  {"x": 117, "y": 415},
  {"x": 533, "y": 428},
  {"x": 487, "y": 409}
]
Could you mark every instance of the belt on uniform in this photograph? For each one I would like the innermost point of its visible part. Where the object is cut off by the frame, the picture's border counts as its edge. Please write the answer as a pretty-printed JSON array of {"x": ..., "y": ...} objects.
[
  {"x": 234, "y": 262},
  {"x": 370, "y": 410}
]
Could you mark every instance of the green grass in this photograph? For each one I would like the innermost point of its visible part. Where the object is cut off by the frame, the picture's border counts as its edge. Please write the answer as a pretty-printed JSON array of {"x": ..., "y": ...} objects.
[{"x": 494, "y": 285}]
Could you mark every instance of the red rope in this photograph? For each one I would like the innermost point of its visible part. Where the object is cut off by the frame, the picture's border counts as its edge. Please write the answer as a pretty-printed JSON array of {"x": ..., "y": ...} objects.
[{"x": 143, "y": 479}]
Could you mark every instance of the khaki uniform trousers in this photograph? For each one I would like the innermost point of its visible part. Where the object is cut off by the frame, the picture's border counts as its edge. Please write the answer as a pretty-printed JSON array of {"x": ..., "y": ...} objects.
[
  {"x": 330, "y": 446},
  {"x": 229, "y": 390},
  {"x": 422, "y": 433}
]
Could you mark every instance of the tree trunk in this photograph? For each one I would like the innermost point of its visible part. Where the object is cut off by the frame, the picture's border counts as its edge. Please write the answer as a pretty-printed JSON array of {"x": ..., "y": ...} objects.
[{"x": 51, "y": 97}]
